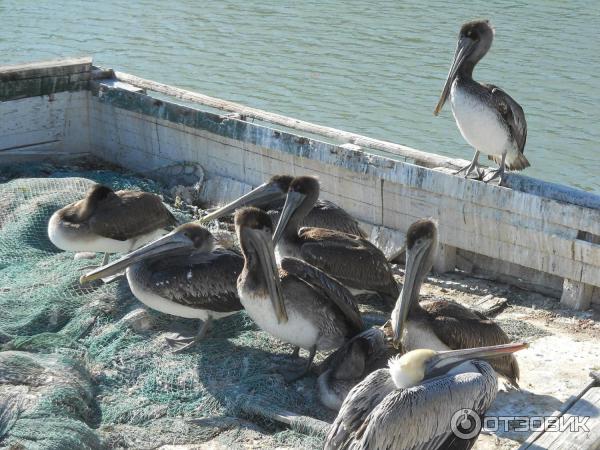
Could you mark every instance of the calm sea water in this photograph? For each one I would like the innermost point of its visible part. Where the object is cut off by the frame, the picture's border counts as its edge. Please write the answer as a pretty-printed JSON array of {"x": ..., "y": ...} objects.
[{"x": 371, "y": 67}]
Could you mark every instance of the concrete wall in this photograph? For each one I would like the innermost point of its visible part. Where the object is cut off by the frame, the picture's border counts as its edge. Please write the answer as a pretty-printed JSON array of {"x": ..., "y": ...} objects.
[
  {"x": 44, "y": 110},
  {"x": 536, "y": 232},
  {"x": 519, "y": 229}
]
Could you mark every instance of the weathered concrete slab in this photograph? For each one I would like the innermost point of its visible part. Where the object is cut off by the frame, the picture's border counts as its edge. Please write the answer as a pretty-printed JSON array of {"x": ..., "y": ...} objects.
[
  {"x": 535, "y": 225},
  {"x": 49, "y": 68},
  {"x": 566, "y": 364},
  {"x": 52, "y": 127},
  {"x": 44, "y": 78},
  {"x": 576, "y": 295},
  {"x": 511, "y": 226}
]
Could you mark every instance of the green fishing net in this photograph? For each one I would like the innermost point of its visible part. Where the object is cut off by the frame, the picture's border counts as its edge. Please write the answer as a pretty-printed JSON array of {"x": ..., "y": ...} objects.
[{"x": 88, "y": 367}]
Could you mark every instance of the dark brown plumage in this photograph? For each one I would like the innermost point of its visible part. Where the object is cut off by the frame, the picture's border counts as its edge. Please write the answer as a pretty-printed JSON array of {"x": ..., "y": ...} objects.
[
  {"x": 184, "y": 275},
  {"x": 422, "y": 228},
  {"x": 489, "y": 119},
  {"x": 460, "y": 327},
  {"x": 110, "y": 222},
  {"x": 444, "y": 322},
  {"x": 328, "y": 288},
  {"x": 514, "y": 117},
  {"x": 326, "y": 214},
  {"x": 351, "y": 259},
  {"x": 119, "y": 215},
  {"x": 308, "y": 308},
  {"x": 351, "y": 363},
  {"x": 204, "y": 280},
  {"x": 270, "y": 197}
]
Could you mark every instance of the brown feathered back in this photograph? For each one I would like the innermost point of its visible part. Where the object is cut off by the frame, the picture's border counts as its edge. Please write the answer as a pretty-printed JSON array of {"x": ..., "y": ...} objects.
[
  {"x": 459, "y": 327},
  {"x": 128, "y": 214}
]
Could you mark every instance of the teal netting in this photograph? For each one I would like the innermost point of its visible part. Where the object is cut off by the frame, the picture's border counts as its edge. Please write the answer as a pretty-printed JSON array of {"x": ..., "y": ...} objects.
[{"x": 88, "y": 367}]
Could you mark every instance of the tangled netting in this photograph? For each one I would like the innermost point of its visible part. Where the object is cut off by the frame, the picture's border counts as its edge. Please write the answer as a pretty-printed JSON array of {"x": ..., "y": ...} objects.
[{"x": 88, "y": 367}]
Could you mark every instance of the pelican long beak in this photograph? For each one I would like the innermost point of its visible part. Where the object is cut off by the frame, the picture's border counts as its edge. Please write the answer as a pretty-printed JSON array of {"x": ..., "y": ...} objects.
[
  {"x": 292, "y": 201},
  {"x": 263, "y": 245},
  {"x": 265, "y": 193},
  {"x": 463, "y": 49},
  {"x": 167, "y": 243},
  {"x": 415, "y": 258},
  {"x": 442, "y": 362}
]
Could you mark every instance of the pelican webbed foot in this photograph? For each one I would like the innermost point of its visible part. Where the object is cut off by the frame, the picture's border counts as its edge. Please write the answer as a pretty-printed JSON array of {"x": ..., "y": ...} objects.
[
  {"x": 291, "y": 374},
  {"x": 183, "y": 343},
  {"x": 104, "y": 262},
  {"x": 499, "y": 172},
  {"x": 473, "y": 165},
  {"x": 496, "y": 173}
]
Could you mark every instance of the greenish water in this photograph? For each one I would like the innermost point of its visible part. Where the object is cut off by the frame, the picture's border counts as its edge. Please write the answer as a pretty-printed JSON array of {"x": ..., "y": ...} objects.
[{"x": 372, "y": 67}]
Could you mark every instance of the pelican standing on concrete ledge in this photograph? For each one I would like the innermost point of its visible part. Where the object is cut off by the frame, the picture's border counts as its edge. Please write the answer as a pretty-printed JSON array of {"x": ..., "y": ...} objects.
[
  {"x": 412, "y": 404},
  {"x": 440, "y": 324},
  {"x": 298, "y": 304},
  {"x": 184, "y": 275},
  {"x": 110, "y": 222},
  {"x": 270, "y": 196},
  {"x": 353, "y": 261},
  {"x": 487, "y": 117}
]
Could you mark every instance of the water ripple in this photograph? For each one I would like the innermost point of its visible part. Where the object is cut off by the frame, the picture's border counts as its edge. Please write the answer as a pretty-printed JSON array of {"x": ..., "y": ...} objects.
[{"x": 371, "y": 67}]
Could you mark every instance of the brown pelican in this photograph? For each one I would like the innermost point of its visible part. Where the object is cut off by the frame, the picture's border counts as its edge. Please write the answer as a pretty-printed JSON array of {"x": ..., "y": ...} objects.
[
  {"x": 487, "y": 117},
  {"x": 440, "y": 324},
  {"x": 350, "y": 259},
  {"x": 110, "y": 222},
  {"x": 413, "y": 403},
  {"x": 351, "y": 363},
  {"x": 298, "y": 303},
  {"x": 184, "y": 275},
  {"x": 270, "y": 196}
]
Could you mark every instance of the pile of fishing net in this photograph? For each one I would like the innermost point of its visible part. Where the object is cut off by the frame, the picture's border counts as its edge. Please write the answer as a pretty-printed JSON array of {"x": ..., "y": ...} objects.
[{"x": 88, "y": 367}]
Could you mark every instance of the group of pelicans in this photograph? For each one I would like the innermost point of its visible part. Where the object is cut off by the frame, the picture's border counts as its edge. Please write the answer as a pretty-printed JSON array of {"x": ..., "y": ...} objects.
[
  {"x": 395, "y": 386},
  {"x": 298, "y": 282}
]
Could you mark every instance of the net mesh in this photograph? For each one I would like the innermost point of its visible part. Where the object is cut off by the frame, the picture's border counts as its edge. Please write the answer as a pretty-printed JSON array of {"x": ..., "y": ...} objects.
[{"x": 115, "y": 383}]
